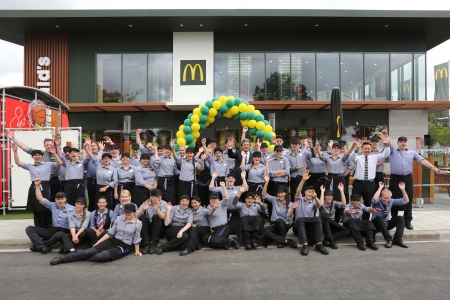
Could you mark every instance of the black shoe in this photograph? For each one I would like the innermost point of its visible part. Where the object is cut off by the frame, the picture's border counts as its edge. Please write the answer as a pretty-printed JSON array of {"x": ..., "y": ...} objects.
[
  {"x": 61, "y": 250},
  {"x": 248, "y": 246},
  {"x": 226, "y": 247},
  {"x": 159, "y": 250},
  {"x": 305, "y": 250},
  {"x": 332, "y": 244},
  {"x": 400, "y": 244},
  {"x": 321, "y": 249},
  {"x": 234, "y": 242},
  {"x": 46, "y": 249},
  {"x": 326, "y": 243},
  {"x": 254, "y": 245},
  {"x": 409, "y": 226},
  {"x": 361, "y": 246},
  {"x": 292, "y": 244},
  {"x": 372, "y": 246},
  {"x": 33, "y": 248},
  {"x": 57, "y": 261},
  {"x": 388, "y": 244},
  {"x": 152, "y": 249},
  {"x": 145, "y": 249},
  {"x": 282, "y": 245},
  {"x": 185, "y": 252}
]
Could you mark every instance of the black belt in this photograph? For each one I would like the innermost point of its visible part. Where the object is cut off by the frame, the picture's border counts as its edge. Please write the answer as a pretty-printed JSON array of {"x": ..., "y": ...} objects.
[
  {"x": 165, "y": 176},
  {"x": 214, "y": 228},
  {"x": 369, "y": 180},
  {"x": 335, "y": 174},
  {"x": 409, "y": 175},
  {"x": 74, "y": 181},
  {"x": 192, "y": 181}
]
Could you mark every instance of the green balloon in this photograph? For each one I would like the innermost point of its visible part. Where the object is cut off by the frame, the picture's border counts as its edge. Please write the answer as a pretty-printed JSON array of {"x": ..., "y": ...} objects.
[
  {"x": 219, "y": 115},
  {"x": 246, "y": 103},
  {"x": 260, "y": 133},
  {"x": 214, "y": 99},
  {"x": 266, "y": 122},
  {"x": 203, "y": 118},
  {"x": 176, "y": 147},
  {"x": 223, "y": 108},
  {"x": 251, "y": 115},
  {"x": 189, "y": 138},
  {"x": 202, "y": 126},
  {"x": 230, "y": 103},
  {"x": 259, "y": 117},
  {"x": 244, "y": 115},
  {"x": 204, "y": 110},
  {"x": 208, "y": 103},
  {"x": 191, "y": 145},
  {"x": 237, "y": 101},
  {"x": 187, "y": 122},
  {"x": 267, "y": 136},
  {"x": 252, "y": 131},
  {"x": 236, "y": 117},
  {"x": 187, "y": 129},
  {"x": 190, "y": 115}
]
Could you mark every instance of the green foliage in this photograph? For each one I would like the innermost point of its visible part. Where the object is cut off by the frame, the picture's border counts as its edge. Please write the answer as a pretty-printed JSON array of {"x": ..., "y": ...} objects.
[{"x": 439, "y": 130}]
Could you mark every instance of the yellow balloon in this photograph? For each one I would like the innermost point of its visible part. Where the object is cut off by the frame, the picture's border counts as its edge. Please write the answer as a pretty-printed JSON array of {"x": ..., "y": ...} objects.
[
  {"x": 260, "y": 125},
  {"x": 197, "y": 112},
  {"x": 181, "y": 134},
  {"x": 271, "y": 147},
  {"x": 257, "y": 112},
  {"x": 250, "y": 108},
  {"x": 223, "y": 99},
  {"x": 230, "y": 97},
  {"x": 242, "y": 107},
  {"x": 211, "y": 119},
  {"x": 244, "y": 123},
  {"x": 228, "y": 114},
  {"x": 212, "y": 112},
  {"x": 273, "y": 133},
  {"x": 207, "y": 123},
  {"x": 251, "y": 124},
  {"x": 181, "y": 141},
  {"x": 267, "y": 142},
  {"x": 195, "y": 127},
  {"x": 195, "y": 119},
  {"x": 267, "y": 128},
  {"x": 195, "y": 134},
  {"x": 181, "y": 128},
  {"x": 201, "y": 105},
  {"x": 216, "y": 105},
  {"x": 234, "y": 110}
]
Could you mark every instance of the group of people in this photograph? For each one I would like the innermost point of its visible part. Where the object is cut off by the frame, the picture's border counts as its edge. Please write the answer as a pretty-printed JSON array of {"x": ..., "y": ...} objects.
[{"x": 196, "y": 199}]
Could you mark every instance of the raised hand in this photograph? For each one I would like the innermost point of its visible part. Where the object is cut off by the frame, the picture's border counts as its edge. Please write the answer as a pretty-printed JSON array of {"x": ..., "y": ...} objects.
[
  {"x": 169, "y": 206},
  {"x": 357, "y": 143},
  {"x": 306, "y": 175},
  {"x": 138, "y": 131},
  {"x": 381, "y": 184},
  {"x": 296, "y": 203},
  {"x": 101, "y": 145},
  {"x": 10, "y": 134},
  {"x": 230, "y": 142},
  {"x": 52, "y": 149},
  {"x": 57, "y": 140},
  {"x": 14, "y": 147},
  {"x": 215, "y": 173},
  {"x": 171, "y": 143},
  {"x": 341, "y": 186},
  {"x": 222, "y": 184},
  {"x": 330, "y": 144},
  {"x": 37, "y": 181},
  {"x": 244, "y": 130},
  {"x": 322, "y": 188},
  {"x": 108, "y": 139},
  {"x": 258, "y": 199},
  {"x": 274, "y": 139},
  {"x": 146, "y": 204},
  {"x": 266, "y": 177},
  {"x": 87, "y": 140},
  {"x": 243, "y": 154},
  {"x": 401, "y": 186},
  {"x": 243, "y": 173},
  {"x": 203, "y": 141}
]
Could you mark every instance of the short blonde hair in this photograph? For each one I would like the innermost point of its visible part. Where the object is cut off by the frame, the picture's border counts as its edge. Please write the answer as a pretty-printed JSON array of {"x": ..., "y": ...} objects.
[{"x": 386, "y": 192}]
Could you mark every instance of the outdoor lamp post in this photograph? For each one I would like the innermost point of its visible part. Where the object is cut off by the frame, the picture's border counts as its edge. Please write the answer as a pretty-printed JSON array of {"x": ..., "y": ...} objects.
[{"x": 127, "y": 132}]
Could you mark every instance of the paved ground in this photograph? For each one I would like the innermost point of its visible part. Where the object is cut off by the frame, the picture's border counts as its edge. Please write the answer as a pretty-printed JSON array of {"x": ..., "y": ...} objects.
[{"x": 420, "y": 272}]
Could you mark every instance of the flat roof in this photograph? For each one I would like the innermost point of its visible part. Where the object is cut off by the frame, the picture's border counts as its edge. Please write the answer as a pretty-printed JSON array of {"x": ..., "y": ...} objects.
[{"x": 15, "y": 23}]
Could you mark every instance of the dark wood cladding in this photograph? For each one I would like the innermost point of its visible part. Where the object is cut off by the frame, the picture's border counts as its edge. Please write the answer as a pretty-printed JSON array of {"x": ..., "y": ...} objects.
[{"x": 55, "y": 47}]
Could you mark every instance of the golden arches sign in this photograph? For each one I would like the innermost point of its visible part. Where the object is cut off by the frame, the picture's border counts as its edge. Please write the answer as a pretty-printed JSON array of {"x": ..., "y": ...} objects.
[
  {"x": 406, "y": 88},
  {"x": 193, "y": 68},
  {"x": 441, "y": 73}
]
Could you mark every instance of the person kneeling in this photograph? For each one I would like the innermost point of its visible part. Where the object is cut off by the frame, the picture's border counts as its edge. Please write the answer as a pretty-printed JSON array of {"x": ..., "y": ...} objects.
[
  {"x": 78, "y": 223},
  {"x": 352, "y": 220},
  {"x": 179, "y": 219},
  {"x": 251, "y": 224},
  {"x": 305, "y": 211},
  {"x": 382, "y": 219}
]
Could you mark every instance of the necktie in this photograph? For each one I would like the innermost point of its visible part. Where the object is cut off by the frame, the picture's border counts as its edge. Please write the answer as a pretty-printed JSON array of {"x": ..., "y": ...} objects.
[
  {"x": 366, "y": 169},
  {"x": 246, "y": 157},
  {"x": 100, "y": 224}
]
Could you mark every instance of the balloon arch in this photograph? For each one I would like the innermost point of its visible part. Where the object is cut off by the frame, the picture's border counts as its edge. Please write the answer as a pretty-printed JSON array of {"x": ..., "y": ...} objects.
[{"x": 228, "y": 107}]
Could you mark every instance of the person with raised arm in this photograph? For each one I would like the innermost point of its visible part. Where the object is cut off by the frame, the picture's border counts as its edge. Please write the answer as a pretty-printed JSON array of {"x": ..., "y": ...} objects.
[
  {"x": 126, "y": 174},
  {"x": 188, "y": 167}
]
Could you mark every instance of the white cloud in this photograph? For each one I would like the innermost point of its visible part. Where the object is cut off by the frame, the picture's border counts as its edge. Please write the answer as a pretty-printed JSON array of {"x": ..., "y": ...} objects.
[{"x": 11, "y": 64}]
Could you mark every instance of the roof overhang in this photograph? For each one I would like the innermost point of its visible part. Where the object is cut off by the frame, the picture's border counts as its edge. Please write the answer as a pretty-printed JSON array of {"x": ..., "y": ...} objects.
[{"x": 28, "y": 93}]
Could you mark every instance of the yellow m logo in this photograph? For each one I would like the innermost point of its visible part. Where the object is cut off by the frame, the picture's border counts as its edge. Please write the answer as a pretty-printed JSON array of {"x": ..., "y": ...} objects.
[
  {"x": 441, "y": 73},
  {"x": 406, "y": 88},
  {"x": 338, "y": 134},
  {"x": 193, "y": 68}
]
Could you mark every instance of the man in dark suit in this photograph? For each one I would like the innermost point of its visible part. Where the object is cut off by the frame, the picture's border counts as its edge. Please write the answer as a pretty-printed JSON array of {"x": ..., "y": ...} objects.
[{"x": 237, "y": 155}]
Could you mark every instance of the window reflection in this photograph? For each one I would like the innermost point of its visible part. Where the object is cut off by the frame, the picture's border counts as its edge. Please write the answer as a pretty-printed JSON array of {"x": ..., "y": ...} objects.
[
  {"x": 226, "y": 74},
  {"x": 109, "y": 78},
  {"x": 401, "y": 77},
  {"x": 278, "y": 76},
  {"x": 327, "y": 74},
  {"x": 134, "y": 87},
  {"x": 419, "y": 76},
  {"x": 303, "y": 71},
  {"x": 351, "y": 76},
  {"x": 251, "y": 86},
  {"x": 376, "y": 76},
  {"x": 160, "y": 77}
]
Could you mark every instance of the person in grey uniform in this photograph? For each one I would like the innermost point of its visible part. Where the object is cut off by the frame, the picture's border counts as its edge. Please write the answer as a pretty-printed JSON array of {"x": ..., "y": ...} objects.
[
  {"x": 255, "y": 173},
  {"x": 115, "y": 153},
  {"x": 317, "y": 173},
  {"x": 166, "y": 168},
  {"x": 134, "y": 157},
  {"x": 188, "y": 168},
  {"x": 200, "y": 226},
  {"x": 374, "y": 144},
  {"x": 120, "y": 240},
  {"x": 297, "y": 163},
  {"x": 74, "y": 174},
  {"x": 265, "y": 153},
  {"x": 251, "y": 225},
  {"x": 125, "y": 177},
  {"x": 78, "y": 222},
  {"x": 179, "y": 219},
  {"x": 44, "y": 238},
  {"x": 39, "y": 169},
  {"x": 62, "y": 169},
  {"x": 124, "y": 198},
  {"x": 278, "y": 169},
  {"x": 217, "y": 217},
  {"x": 145, "y": 180},
  {"x": 219, "y": 165}
]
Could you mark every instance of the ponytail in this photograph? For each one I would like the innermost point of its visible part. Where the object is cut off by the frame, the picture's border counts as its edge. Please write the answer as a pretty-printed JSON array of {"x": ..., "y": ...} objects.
[{"x": 84, "y": 215}]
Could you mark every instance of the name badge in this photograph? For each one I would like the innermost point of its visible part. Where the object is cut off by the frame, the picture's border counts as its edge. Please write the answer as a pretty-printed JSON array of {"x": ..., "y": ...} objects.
[
  {"x": 131, "y": 170},
  {"x": 300, "y": 154},
  {"x": 281, "y": 161},
  {"x": 407, "y": 152},
  {"x": 224, "y": 164},
  {"x": 235, "y": 192},
  {"x": 109, "y": 172},
  {"x": 80, "y": 165}
]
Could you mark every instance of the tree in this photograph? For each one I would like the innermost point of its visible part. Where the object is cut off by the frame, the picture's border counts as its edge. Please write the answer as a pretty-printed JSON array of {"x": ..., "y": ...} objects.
[{"x": 441, "y": 134}]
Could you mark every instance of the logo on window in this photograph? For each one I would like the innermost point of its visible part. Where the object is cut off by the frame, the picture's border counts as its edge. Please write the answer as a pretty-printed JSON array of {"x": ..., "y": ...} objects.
[{"x": 193, "y": 72}]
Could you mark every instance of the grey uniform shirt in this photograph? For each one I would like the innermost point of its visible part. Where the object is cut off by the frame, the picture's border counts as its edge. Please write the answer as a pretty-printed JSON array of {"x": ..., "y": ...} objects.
[
  {"x": 125, "y": 175},
  {"x": 277, "y": 164},
  {"x": 116, "y": 163},
  {"x": 77, "y": 222},
  {"x": 60, "y": 215},
  {"x": 335, "y": 166},
  {"x": 151, "y": 210},
  {"x": 380, "y": 168},
  {"x": 135, "y": 161},
  {"x": 222, "y": 167},
  {"x": 245, "y": 210},
  {"x": 165, "y": 166},
  {"x": 178, "y": 218},
  {"x": 265, "y": 157},
  {"x": 145, "y": 175},
  {"x": 73, "y": 170},
  {"x": 187, "y": 172},
  {"x": 361, "y": 208},
  {"x": 255, "y": 174},
  {"x": 278, "y": 211},
  {"x": 232, "y": 191},
  {"x": 220, "y": 216},
  {"x": 305, "y": 209},
  {"x": 386, "y": 207},
  {"x": 316, "y": 165},
  {"x": 401, "y": 162},
  {"x": 296, "y": 160},
  {"x": 329, "y": 211},
  {"x": 47, "y": 157},
  {"x": 105, "y": 176},
  {"x": 199, "y": 217},
  {"x": 118, "y": 211},
  {"x": 41, "y": 170},
  {"x": 127, "y": 232}
]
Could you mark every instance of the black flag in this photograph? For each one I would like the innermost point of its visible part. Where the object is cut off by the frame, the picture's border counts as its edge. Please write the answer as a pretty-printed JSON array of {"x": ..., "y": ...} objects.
[{"x": 337, "y": 117}]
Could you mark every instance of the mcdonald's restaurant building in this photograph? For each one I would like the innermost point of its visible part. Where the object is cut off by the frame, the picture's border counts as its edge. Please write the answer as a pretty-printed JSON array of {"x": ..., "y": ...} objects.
[{"x": 157, "y": 65}]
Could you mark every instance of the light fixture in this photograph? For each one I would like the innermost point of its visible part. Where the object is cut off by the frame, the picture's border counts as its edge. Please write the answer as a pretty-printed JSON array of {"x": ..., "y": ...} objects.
[
  {"x": 130, "y": 25},
  {"x": 201, "y": 25},
  {"x": 270, "y": 61},
  {"x": 320, "y": 77},
  {"x": 374, "y": 64},
  {"x": 345, "y": 71},
  {"x": 386, "y": 26},
  {"x": 342, "y": 63},
  {"x": 245, "y": 24},
  {"x": 57, "y": 26},
  {"x": 306, "y": 62},
  {"x": 181, "y": 25},
  {"x": 220, "y": 72},
  {"x": 317, "y": 25}
]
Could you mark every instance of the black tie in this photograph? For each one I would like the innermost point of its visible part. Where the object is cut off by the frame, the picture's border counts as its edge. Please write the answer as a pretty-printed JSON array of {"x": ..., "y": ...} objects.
[{"x": 366, "y": 169}]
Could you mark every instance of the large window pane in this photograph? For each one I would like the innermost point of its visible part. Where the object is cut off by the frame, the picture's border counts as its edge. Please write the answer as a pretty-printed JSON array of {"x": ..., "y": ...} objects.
[
  {"x": 419, "y": 77},
  {"x": 134, "y": 78},
  {"x": 327, "y": 74},
  {"x": 252, "y": 76},
  {"x": 351, "y": 76},
  {"x": 278, "y": 76},
  {"x": 226, "y": 74},
  {"x": 401, "y": 77},
  {"x": 109, "y": 79},
  {"x": 160, "y": 77},
  {"x": 303, "y": 70},
  {"x": 376, "y": 75}
]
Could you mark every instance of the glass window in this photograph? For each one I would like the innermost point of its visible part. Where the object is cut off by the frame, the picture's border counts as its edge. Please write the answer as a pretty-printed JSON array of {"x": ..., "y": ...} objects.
[
  {"x": 109, "y": 78},
  {"x": 134, "y": 75},
  {"x": 419, "y": 77},
  {"x": 251, "y": 85},
  {"x": 156, "y": 136},
  {"x": 327, "y": 74},
  {"x": 160, "y": 77},
  {"x": 376, "y": 76},
  {"x": 223, "y": 133},
  {"x": 226, "y": 74},
  {"x": 401, "y": 77},
  {"x": 278, "y": 76},
  {"x": 303, "y": 70},
  {"x": 351, "y": 76}
]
